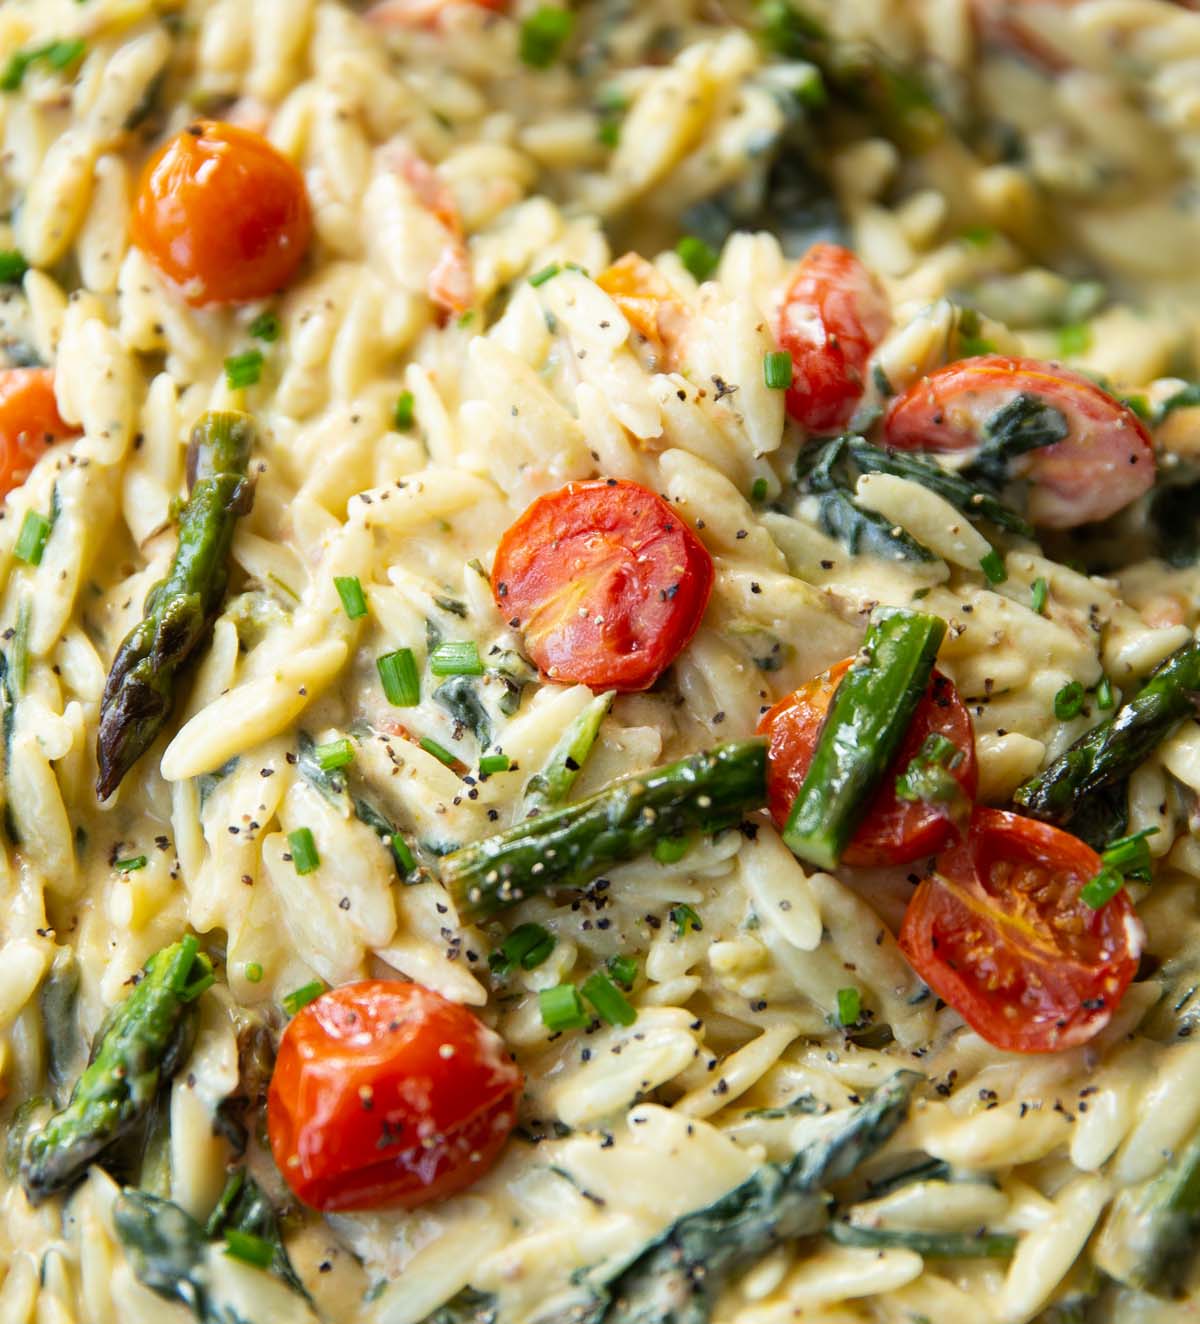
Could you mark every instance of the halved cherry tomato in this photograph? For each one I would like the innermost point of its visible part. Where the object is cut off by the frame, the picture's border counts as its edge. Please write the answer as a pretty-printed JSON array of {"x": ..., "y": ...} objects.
[
  {"x": 833, "y": 315},
  {"x": 388, "y": 1093},
  {"x": 1105, "y": 461},
  {"x": 607, "y": 582},
  {"x": 999, "y": 932},
  {"x": 645, "y": 297},
  {"x": 893, "y": 831},
  {"x": 223, "y": 214},
  {"x": 29, "y": 422}
]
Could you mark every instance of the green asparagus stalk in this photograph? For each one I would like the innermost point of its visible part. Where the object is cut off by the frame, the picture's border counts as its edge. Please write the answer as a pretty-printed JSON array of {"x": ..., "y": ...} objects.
[
  {"x": 139, "y": 1048},
  {"x": 866, "y": 723},
  {"x": 1152, "y": 1234},
  {"x": 1111, "y": 751},
  {"x": 551, "y": 786},
  {"x": 572, "y": 845},
  {"x": 179, "y": 611},
  {"x": 932, "y": 1245},
  {"x": 677, "y": 1278}
]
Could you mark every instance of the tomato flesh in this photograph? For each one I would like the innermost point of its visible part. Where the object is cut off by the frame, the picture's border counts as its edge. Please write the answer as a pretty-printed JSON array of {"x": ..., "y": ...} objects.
[
  {"x": 893, "y": 831},
  {"x": 999, "y": 932},
  {"x": 833, "y": 315},
  {"x": 1105, "y": 461},
  {"x": 29, "y": 422},
  {"x": 646, "y": 299},
  {"x": 387, "y": 1093},
  {"x": 222, "y": 214},
  {"x": 606, "y": 581}
]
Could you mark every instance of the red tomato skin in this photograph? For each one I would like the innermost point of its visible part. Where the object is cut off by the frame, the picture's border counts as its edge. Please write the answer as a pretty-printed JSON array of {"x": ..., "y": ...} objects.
[
  {"x": 608, "y": 583},
  {"x": 222, "y": 214},
  {"x": 387, "y": 1093},
  {"x": 1105, "y": 461},
  {"x": 833, "y": 315},
  {"x": 992, "y": 949},
  {"x": 29, "y": 422},
  {"x": 893, "y": 831}
]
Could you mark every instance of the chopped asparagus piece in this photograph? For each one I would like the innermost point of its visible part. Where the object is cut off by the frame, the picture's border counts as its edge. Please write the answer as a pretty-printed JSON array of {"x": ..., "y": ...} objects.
[
  {"x": 551, "y": 786},
  {"x": 572, "y": 845},
  {"x": 866, "y": 723},
  {"x": 140, "y": 691},
  {"x": 140, "y": 1047}
]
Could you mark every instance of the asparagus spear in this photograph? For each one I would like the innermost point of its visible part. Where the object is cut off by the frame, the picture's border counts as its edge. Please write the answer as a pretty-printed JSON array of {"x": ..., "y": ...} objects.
[
  {"x": 933, "y": 1245},
  {"x": 1149, "y": 1240},
  {"x": 140, "y": 1046},
  {"x": 678, "y": 1277},
  {"x": 867, "y": 720},
  {"x": 1112, "y": 750},
  {"x": 571, "y": 846},
  {"x": 179, "y": 611},
  {"x": 553, "y": 784}
]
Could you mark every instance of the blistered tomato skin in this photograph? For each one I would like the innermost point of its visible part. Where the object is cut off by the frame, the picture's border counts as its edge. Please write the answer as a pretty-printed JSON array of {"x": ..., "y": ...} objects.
[
  {"x": 833, "y": 315},
  {"x": 999, "y": 932},
  {"x": 222, "y": 214},
  {"x": 607, "y": 583},
  {"x": 1105, "y": 461},
  {"x": 29, "y": 422},
  {"x": 893, "y": 831},
  {"x": 386, "y": 1093}
]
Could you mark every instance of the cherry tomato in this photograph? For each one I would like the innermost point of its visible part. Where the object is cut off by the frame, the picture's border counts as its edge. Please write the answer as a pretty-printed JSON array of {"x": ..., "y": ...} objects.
[
  {"x": 421, "y": 13},
  {"x": 999, "y": 931},
  {"x": 29, "y": 422},
  {"x": 1105, "y": 461},
  {"x": 646, "y": 299},
  {"x": 833, "y": 315},
  {"x": 894, "y": 831},
  {"x": 607, "y": 582},
  {"x": 451, "y": 284},
  {"x": 222, "y": 214},
  {"x": 388, "y": 1093}
]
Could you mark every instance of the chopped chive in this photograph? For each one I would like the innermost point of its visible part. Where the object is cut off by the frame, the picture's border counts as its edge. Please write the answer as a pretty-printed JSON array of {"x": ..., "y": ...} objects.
[
  {"x": 248, "y": 1248},
  {"x": 611, "y": 1004},
  {"x": 1074, "y": 338},
  {"x": 669, "y": 849},
  {"x": 130, "y": 864},
  {"x": 624, "y": 971},
  {"x": 1101, "y": 889},
  {"x": 336, "y": 754},
  {"x": 758, "y": 490},
  {"x": 1038, "y": 593},
  {"x": 491, "y": 763},
  {"x": 561, "y": 1008},
  {"x": 700, "y": 259},
  {"x": 543, "y": 35},
  {"x": 402, "y": 852},
  {"x": 31, "y": 541},
  {"x": 1139, "y": 405},
  {"x": 456, "y": 658},
  {"x": 1068, "y": 702},
  {"x": 253, "y": 972},
  {"x": 57, "y": 54},
  {"x": 1131, "y": 855},
  {"x": 12, "y": 266},
  {"x": 978, "y": 236},
  {"x": 777, "y": 370},
  {"x": 1104, "y": 694},
  {"x": 63, "y": 53},
  {"x": 302, "y": 996},
  {"x": 608, "y": 131},
  {"x": 528, "y": 945},
  {"x": 546, "y": 273},
  {"x": 439, "y": 752},
  {"x": 685, "y": 919},
  {"x": 405, "y": 412},
  {"x": 304, "y": 850},
  {"x": 350, "y": 590},
  {"x": 465, "y": 319},
  {"x": 973, "y": 347},
  {"x": 992, "y": 566},
  {"x": 849, "y": 1006},
  {"x": 398, "y": 675},
  {"x": 243, "y": 370},
  {"x": 265, "y": 327}
]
